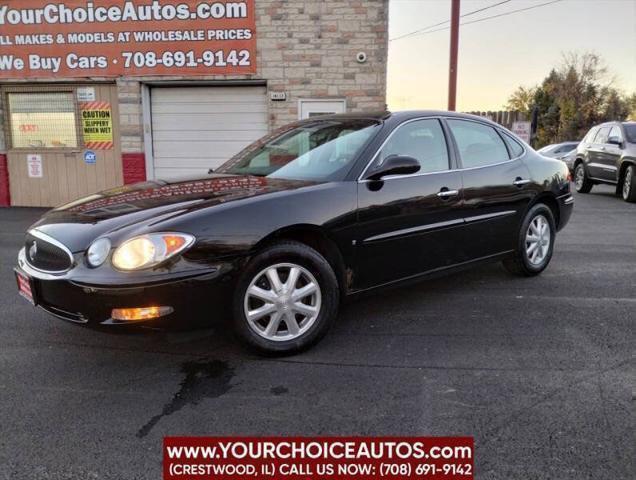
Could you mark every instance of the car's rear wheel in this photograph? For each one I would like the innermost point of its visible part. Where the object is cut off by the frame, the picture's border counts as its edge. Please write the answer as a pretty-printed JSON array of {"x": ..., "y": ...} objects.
[
  {"x": 286, "y": 299},
  {"x": 629, "y": 184},
  {"x": 582, "y": 183},
  {"x": 535, "y": 243}
]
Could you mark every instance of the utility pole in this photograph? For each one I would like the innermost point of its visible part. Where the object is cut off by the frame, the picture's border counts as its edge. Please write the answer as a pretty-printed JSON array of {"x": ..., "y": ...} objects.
[{"x": 454, "y": 49}]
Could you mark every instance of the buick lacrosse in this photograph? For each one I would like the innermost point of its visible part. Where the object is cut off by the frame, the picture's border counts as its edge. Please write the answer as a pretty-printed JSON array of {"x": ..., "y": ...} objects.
[{"x": 320, "y": 210}]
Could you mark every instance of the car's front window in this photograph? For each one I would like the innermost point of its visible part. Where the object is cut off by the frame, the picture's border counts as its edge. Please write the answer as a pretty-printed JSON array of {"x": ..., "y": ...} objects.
[
  {"x": 630, "y": 132},
  {"x": 321, "y": 150}
]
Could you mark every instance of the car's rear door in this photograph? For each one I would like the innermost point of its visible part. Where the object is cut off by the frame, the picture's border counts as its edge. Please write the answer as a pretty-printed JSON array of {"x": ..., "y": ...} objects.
[
  {"x": 410, "y": 224},
  {"x": 497, "y": 188},
  {"x": 596, "y": 154}
]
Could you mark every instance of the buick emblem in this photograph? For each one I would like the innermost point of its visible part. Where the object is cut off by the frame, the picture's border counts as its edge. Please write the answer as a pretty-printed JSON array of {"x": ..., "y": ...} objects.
[{"x": 33, "y": 251}]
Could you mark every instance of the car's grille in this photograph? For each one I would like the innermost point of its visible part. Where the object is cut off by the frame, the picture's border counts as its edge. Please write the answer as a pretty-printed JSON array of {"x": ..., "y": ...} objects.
[{"x": 46, "y": 256}]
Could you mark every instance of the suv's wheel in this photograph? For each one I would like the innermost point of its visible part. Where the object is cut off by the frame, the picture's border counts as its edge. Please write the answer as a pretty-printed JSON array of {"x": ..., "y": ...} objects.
[
  {"x": 629, "y": 184},
  {"x": 535, "y": 244},
  {"x": 581, "y": 181},
  {"x": 286, "y": 299}
]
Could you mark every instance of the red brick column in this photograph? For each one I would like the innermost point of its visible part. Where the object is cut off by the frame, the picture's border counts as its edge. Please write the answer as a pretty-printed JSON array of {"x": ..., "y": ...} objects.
[
  {"x": 5, "y": 193},
  {"x": 134, "y": 166}
]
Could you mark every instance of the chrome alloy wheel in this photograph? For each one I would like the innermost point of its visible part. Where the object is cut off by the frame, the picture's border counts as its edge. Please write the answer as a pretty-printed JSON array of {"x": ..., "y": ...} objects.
[
  {"x": 282, "y": 302},
  {"x": 627, "y": 183},
  {"x": 538, "y": 240},
  {"x": 579, "y": 177}
]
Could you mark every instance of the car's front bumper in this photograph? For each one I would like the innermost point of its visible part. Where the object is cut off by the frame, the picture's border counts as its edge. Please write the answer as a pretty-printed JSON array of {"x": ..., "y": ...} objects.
[{"x": 199, "y": 298}]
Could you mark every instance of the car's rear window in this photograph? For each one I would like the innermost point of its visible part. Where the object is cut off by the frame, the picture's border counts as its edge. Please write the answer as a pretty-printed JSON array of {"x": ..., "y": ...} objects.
[{"x": 515, "y": 147}]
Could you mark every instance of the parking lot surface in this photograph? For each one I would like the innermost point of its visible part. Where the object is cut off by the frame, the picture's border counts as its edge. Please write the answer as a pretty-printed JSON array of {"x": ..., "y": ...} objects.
[{"x": 540, "y": 371}]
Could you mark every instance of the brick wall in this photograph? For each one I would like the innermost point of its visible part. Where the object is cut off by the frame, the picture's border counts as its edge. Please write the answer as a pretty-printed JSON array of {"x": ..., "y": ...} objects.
[
  {"x": 305, "y": 48},
  {"x": 309, "y": 49},
  {"x": 3, "y": 145},
  {"x": 5, "y": 196}
]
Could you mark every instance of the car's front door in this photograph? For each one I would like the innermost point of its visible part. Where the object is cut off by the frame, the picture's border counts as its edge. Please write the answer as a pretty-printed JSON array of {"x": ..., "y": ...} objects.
[
  {"x": 612, "y": 154},
  {"x": 409, "y": 224},
  {"x": 496, "y": 188}
]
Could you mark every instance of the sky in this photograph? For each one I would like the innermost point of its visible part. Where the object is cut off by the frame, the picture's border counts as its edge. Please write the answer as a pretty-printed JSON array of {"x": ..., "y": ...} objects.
[{"x": 498, "y": 55}]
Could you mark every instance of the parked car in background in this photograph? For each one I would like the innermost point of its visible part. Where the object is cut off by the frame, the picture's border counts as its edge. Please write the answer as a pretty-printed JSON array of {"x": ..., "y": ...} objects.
[
  {"x": 558, "y": 150},
  {"x": 607, "y": 155},
  {"x": 569, "y": 158},
  {"x": 328, "y": 207}
]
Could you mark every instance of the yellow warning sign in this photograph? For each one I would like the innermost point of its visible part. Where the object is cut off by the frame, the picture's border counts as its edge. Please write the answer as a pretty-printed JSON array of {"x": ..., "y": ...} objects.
[{"x": 97, "y": 125}]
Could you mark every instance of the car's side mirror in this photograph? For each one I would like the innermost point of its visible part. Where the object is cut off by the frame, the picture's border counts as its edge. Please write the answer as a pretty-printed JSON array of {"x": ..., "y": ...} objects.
[
  {"x": 395, "y": 165},
  {"x": 615, "y": 141}
]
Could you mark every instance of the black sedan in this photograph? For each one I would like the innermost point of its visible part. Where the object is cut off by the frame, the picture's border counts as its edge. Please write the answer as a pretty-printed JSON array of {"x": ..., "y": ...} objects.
[{"x": 321, "y": 210}]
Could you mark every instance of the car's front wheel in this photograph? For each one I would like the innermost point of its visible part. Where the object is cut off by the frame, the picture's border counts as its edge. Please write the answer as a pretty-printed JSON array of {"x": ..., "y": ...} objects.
[
  {"x": 286, "y": 299},
  {"x": 629, "y": 184},
  {"x": 535, "y": 243},
  {"x": 582, "y": 183}
]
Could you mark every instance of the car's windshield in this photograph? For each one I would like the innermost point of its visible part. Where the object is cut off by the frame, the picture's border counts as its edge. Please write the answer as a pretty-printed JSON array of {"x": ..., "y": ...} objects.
[
  {"x": 321, "y": 150},
  {"x": 547, "y": 148},
  {"x": 630, "y": 132}
]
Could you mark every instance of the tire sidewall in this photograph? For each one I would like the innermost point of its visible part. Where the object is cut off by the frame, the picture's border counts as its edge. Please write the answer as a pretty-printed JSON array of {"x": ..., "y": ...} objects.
[
  {"x": 287, "y": 253},
  {"x": 539, "y": 209},
  {"x": 576, "y": 174},
  {"x": 629, "y": 172}
]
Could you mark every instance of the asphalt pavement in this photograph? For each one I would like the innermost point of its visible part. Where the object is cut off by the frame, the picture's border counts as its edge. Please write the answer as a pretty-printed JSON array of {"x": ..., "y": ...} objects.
[{"x": 540, "y": 371}]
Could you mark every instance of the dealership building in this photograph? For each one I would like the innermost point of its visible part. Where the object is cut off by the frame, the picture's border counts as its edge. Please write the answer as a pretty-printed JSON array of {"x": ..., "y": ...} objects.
[{"x": 96, "y": 95}]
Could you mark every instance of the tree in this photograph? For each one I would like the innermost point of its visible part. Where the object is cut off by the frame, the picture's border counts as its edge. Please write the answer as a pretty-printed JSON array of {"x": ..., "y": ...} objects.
[
  {"x": 572, "y": 98},
  {"x": 522, "y": 100}
]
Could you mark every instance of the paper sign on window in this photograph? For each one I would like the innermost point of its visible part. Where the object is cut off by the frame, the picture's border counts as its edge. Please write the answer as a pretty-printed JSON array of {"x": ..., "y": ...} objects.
[{"x": 97, "y": 125}]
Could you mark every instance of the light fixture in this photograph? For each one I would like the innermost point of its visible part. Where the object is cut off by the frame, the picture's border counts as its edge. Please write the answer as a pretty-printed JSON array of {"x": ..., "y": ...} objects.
[
  {"x": 98, "y": 252},
  {"x": 139, "y": 314},
  {"x": 150, "y": 250}
]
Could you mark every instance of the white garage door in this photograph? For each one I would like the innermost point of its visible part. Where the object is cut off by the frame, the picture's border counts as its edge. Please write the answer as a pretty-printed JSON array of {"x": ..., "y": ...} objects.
[{"x": 198, "y": 128}]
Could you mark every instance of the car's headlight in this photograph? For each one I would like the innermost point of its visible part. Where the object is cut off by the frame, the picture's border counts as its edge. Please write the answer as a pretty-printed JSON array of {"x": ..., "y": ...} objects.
[
  {"x": 149, "y": 250},
  {"x": 98, "y": 252}
]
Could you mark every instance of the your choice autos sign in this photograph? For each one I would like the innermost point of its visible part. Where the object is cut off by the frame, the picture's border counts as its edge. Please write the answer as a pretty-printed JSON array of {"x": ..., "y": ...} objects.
[{"x": 110, "y": 38}]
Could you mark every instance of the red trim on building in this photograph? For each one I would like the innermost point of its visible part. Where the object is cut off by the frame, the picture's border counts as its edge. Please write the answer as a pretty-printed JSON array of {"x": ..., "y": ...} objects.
[
  {"x": 5, "y": 193},
  {"x": 134, "y": 166}
]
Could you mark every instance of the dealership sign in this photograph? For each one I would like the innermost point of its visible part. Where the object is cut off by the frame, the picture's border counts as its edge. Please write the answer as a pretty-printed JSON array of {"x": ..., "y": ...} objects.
[{"x": 111, "y": 38}]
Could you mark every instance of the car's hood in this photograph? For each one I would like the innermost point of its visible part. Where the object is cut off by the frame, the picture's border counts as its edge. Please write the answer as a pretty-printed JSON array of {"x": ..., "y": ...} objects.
[{"x": 78, "y": 223}]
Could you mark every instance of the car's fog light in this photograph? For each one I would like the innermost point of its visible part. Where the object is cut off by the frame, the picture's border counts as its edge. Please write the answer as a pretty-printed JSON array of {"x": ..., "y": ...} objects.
[{"x": 140, "y": 314}]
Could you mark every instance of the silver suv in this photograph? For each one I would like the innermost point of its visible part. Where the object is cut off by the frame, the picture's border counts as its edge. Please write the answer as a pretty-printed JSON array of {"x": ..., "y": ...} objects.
[{"x": 607, "y": 155}]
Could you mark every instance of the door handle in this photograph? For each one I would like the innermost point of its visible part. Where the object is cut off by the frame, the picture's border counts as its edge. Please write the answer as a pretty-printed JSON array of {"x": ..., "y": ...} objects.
[
  {"x": 445, "y": 193},
  {"x": 520, "y": 182}
]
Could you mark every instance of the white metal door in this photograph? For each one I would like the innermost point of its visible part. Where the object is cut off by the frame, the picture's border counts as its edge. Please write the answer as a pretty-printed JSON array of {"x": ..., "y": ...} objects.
[{"x": 198, "y": 128}]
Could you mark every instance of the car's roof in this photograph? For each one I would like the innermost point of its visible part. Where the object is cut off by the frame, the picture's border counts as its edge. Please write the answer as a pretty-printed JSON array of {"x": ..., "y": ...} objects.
[
  {"x": 614, "y": 122},
  {"x": 403, "y": 115}
]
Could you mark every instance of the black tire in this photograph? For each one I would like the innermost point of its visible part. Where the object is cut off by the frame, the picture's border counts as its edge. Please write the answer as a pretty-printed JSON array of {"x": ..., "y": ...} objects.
[
  {"x": 628, "y": 186},
  {"x": 520, "y": 263},
  {"x": 582, "y": 182},
  {"x": 287, "y": 252}
]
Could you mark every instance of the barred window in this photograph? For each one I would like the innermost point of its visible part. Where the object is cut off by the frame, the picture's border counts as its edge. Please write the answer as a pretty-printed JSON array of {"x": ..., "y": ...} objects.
[{"x": 43, "y": 120}]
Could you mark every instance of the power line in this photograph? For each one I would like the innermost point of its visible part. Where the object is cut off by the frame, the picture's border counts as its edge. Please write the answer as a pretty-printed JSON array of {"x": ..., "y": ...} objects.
[
  {"x": 447, "y": 21},
  {"x": 418, "y": 33}
]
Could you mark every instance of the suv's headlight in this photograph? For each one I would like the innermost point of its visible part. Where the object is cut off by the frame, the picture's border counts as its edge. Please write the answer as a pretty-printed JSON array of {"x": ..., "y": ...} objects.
[{"x": 149, "y": 250}]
